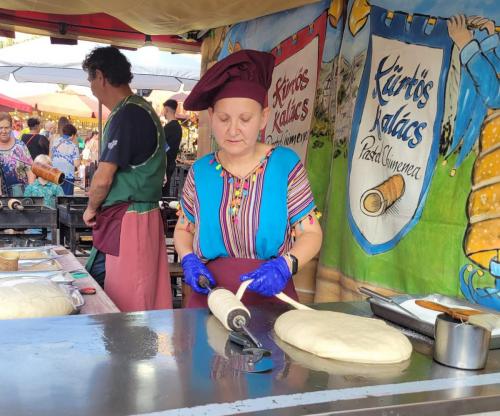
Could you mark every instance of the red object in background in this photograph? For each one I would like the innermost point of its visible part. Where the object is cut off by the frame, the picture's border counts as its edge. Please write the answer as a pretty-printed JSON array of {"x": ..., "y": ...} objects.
[
  {"x": 12, "y": 104},
  {"x": 87, "y": 291}
]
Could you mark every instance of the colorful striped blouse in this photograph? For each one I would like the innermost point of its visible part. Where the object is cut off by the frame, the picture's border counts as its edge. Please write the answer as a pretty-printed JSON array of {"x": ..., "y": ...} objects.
[{"x": 249, "y": 217}]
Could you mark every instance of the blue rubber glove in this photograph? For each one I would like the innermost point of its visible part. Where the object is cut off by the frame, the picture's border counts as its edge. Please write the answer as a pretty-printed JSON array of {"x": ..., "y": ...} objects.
[
  {"x": 270, "y": 278},
  {"x": 193, "y": 269}
]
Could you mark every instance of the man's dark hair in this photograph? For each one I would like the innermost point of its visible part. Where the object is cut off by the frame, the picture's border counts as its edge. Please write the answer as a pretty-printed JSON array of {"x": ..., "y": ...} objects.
[
  {"x": 69, "y": 130},
  {"x": 171, "y": 104},
  {"x": 111, "y": 62},
  {"x": 33, "y": 122}
]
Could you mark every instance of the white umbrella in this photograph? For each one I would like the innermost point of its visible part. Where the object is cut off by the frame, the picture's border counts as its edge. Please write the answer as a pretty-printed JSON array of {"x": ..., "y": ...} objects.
[
  {"x": 67, "y": 102},
  {"x": 38, "y": 60}
]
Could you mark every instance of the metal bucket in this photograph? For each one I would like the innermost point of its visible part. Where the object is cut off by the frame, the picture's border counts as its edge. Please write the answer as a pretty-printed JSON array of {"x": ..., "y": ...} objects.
[{"x": 460, "y": 345}]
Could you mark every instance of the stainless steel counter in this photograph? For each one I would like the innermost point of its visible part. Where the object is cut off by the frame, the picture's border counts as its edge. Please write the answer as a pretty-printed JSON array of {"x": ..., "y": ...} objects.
[{"x": 172, "y": 363}]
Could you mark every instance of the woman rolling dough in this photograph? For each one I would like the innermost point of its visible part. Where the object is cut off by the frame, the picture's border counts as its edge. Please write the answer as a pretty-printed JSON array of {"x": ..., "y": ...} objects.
[{"x": 247, "y": 211}]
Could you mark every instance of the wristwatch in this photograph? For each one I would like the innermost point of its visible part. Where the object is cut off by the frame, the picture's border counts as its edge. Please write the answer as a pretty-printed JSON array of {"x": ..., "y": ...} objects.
[{"x": 295, "y": 263}]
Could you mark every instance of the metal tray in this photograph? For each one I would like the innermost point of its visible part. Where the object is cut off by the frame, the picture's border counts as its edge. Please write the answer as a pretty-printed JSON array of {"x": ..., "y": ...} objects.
[
  {"x": 59, "y": 277},
  {"x": 24, "y": 268},
  {"x": 394, "y": 314},
  {"x": 45, "y": 252}
]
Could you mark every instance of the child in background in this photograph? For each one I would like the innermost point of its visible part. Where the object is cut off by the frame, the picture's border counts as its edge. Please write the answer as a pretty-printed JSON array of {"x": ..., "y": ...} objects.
[{"x": 42, "y": 187}]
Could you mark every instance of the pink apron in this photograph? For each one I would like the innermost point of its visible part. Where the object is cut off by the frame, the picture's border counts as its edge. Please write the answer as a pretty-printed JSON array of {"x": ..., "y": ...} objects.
[{"x": 138, "y": 279}]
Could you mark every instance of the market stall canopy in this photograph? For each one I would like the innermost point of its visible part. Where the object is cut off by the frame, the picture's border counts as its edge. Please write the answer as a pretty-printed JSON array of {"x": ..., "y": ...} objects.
[
  {"x": 125, "y": 22},
  {"x": 38, "y": 60},
  {"x": 67, "y": 102},
  {"x": 12, "y": 104}
]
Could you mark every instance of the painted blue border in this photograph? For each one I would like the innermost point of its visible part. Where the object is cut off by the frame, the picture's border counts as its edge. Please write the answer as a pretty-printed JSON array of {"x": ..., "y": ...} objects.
[
  {"x": 414, "y": 34},
  {"x": 209, "y": 188},
  {"x": 273, "y": 215}
]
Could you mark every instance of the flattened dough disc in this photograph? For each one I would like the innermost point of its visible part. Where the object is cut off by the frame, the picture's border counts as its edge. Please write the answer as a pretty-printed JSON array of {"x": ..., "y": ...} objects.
[{"x": 343, "y": 337}]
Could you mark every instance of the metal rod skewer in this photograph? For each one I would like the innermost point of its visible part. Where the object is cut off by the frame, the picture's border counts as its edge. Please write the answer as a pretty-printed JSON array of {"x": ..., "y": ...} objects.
[
  {"x": 240, "y": 321},
  {"x": 242, "y": 325}
]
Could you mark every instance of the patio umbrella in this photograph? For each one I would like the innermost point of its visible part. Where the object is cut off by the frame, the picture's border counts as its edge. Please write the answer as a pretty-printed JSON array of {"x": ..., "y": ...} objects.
[
  {"x": 37, "y": 60},
  {"x": 12, "y": 104},
  {"x": 67, "y": 102}
]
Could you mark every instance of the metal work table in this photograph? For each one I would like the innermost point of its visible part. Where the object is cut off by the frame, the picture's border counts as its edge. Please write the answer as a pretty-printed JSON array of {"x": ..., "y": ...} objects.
[
  {"x": 172, "y": 363},
  {"x": 94, "y": 304}
]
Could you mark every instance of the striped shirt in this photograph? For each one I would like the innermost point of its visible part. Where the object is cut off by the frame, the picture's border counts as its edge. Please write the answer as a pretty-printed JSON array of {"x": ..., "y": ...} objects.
[{"x": 259, "y": 205}]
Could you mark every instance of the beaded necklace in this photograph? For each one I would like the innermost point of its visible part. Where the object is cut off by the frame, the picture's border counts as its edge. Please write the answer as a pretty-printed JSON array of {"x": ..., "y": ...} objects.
[{"x": 239, "y": 186}]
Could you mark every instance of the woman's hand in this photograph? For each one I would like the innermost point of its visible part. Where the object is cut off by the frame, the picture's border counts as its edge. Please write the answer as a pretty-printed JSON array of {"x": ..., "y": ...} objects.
[
  {"x": 270, "y": 278},
  {"x": 193, "y": 269}
]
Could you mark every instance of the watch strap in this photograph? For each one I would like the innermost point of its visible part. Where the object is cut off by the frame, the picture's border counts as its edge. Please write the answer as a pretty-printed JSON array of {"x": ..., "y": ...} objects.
[{"x": 295, "y": 263}]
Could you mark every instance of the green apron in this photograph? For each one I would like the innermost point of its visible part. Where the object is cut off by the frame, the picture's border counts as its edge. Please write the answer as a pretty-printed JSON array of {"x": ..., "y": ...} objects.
[{"x": 141, "y": 184}]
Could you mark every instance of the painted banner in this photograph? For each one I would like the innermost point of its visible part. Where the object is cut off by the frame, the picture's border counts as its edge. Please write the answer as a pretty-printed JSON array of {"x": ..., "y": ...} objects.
[
  {"x": 304, "y": 42},
  {"x": 396, "y": 127},
  {"x": 293, "y": 88},
  {"x": 291, "y": 99}
]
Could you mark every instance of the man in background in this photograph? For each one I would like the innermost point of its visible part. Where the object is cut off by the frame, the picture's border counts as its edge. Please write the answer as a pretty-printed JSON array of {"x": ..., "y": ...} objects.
[
  {"x": 129, "y": 242},
  {"x": 37, "y": 143},
  {"x": 173, "y": 136},
  {"x": 49, "y": 129}
]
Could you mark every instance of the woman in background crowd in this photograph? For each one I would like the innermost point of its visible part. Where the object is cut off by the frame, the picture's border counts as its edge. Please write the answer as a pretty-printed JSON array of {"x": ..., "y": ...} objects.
[
  {"x": 66, "y": 157},
  {"x": 15, "y": 160}
]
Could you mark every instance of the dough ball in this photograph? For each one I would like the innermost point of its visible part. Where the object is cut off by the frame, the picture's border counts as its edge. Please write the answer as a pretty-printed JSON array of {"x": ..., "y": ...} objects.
[
  {"x": 32, "y": 298},
  {"x": 343, "y": 337}
]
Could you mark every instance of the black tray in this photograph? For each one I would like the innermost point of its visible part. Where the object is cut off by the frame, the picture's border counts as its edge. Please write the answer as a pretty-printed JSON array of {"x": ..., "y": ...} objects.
[
  {"x": 70, "y": 210},
  {"x": 34, "y": 215}
]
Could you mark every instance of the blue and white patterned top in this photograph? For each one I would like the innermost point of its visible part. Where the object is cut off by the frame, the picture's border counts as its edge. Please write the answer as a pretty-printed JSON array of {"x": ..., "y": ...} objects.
[{"x": 64, "y": 155}]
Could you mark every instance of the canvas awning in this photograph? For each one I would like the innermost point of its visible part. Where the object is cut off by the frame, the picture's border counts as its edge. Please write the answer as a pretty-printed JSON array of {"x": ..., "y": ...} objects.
[
  {"x": 67, "y": 102},
  {"x": 127, "y": 21},
  {"x": 12, "y": 104},
  {"x": 38, "y": 60}
]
